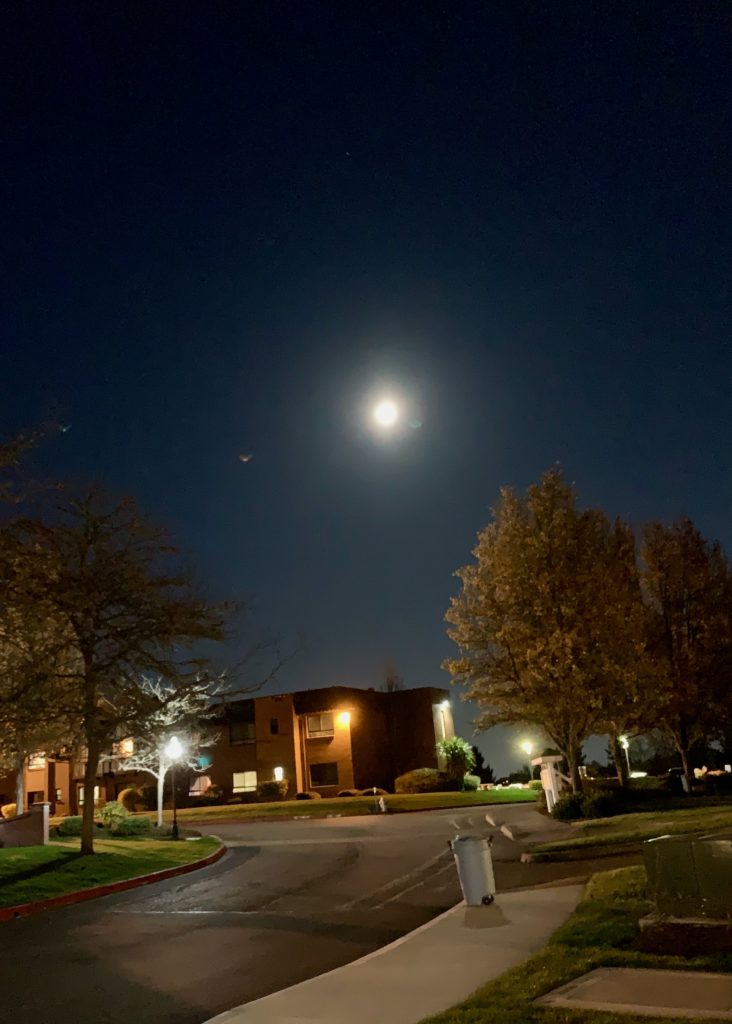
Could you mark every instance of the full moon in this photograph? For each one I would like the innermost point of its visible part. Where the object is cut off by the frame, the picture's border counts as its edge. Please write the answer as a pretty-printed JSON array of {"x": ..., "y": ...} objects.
[{"x": 386, "y": 413}]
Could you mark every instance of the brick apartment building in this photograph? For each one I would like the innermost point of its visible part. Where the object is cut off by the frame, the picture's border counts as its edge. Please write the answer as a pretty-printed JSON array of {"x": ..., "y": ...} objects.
[{"x": 323, "y": 740}]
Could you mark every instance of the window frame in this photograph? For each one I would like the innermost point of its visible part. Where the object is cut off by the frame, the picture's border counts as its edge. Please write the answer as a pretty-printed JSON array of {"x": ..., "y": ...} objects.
[
  {"x": 320, "y": 733},
  {"x": 323, "y": 764},
  {"x": 244, "y": 787}
]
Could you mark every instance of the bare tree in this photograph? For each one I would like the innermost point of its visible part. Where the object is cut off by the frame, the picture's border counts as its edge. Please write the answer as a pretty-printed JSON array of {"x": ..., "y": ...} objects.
[
  {"x": 112, "y": 583},
  {"x": 178, "y": 711}
]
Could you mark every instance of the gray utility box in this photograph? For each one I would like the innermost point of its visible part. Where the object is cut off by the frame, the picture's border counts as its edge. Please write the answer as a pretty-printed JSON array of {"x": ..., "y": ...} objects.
[{"x": 691, "y": 876}]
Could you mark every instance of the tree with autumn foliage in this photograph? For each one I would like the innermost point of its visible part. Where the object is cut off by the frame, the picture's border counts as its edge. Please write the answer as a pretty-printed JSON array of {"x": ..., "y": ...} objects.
[
  {"x": 541, "y": 620},
  {"x": 688, "y": 589},
  {"x": 111, "y": 587}
]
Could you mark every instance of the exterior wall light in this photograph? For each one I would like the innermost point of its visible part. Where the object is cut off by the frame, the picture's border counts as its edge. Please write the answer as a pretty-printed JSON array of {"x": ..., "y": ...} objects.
[{"x": 344, "y": 718}]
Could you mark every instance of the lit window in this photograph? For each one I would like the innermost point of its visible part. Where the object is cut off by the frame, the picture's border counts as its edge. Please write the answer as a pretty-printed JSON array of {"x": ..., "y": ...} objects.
[
  {"x": 244, "y": 782},
  {"x": 81, "y": 795},
  {"x": 324, "y": 774},
  {"x": 36, "y": 762},
  {"x": 199, "y": 785},
  {"x": 279, "y": 774},
  {"x": 320, "y": 725},
  {"x": 125, "y": 748}
]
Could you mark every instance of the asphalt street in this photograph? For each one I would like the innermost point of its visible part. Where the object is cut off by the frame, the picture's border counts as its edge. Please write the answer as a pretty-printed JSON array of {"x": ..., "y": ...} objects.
[{"x": 288, "y": 901}]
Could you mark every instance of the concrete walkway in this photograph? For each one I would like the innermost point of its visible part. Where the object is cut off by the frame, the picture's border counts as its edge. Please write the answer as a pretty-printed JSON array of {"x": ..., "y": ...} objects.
[{"x": 425, "y": 972}]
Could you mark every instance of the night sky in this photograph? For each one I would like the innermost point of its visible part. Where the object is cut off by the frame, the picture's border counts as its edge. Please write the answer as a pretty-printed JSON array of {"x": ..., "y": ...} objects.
[{"x": 227, "y": 227}]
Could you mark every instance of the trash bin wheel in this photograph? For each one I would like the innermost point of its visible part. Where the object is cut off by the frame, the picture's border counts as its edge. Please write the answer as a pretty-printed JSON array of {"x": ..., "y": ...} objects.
[{"x": 487, "y": 900}]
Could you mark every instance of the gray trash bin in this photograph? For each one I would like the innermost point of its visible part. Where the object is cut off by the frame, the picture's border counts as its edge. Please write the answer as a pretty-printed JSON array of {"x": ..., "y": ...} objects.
[{"x": 475, "y": 869}]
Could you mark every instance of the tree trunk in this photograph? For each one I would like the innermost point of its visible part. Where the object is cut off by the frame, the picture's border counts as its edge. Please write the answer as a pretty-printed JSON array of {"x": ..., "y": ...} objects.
[
  {"x": 90, "y": 778},
  {"x": 161, "y": 784},
  {"x": 681, "y": 738},
  {"x": 573, "y": 771},
  {"x": 619, "y": 760},
  {"x": 20, "y": 785}
]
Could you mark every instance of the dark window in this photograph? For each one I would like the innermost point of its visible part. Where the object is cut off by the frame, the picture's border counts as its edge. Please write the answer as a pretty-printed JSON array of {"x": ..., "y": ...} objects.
[
  {"x": 274, "y": 726},
  {"x": 241, "y": 722},
  {"x": 324, "y": 774},
  {"x": 320, "y": 725},
  {"x": 241, "y": 732}
]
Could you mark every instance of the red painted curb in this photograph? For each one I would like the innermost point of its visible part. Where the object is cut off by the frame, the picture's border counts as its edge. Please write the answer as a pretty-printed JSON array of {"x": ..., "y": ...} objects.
[{"x": 24, "y": 909}]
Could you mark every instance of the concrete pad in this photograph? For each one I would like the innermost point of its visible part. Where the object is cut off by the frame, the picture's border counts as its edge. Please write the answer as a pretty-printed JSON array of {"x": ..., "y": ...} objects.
[
  {"x": 648, "y": 993},
  {"x": 425, "y": 972}
]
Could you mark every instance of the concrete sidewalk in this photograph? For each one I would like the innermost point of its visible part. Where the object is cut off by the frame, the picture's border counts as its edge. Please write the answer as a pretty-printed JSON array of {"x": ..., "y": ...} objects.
[{"x": 425, "y": 972}]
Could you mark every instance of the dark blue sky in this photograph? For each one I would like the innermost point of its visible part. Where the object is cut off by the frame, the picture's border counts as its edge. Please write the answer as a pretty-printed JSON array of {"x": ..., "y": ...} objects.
[{"x": 225, "y": 226}]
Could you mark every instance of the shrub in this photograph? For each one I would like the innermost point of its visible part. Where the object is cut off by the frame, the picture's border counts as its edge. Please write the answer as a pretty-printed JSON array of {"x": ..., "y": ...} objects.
[
  {"x": 374, "y": 791},
  {"x": 718, "y": 785},
  {"x": 130, "y": 798},
  {"x": 310, "y": 795},
  {"x": 130, "y": 826},
  {"x": 112, "y": 813},
  {"x": 600, "y": 804},
  {"x": 214, "y": 792},
  {"x": 8, "y": 810},
  {"x": 535, "y": 785},
  {"x": 458, "y": 756},
  {"x": 424, "y": 780},
  {"x": 272, "y": 790},
  {"x": 70, "y": 826},
  {"x": 471, "y": 783},
  {"x": 349, "y": 792},
  {"x": 568, "y": 807}
]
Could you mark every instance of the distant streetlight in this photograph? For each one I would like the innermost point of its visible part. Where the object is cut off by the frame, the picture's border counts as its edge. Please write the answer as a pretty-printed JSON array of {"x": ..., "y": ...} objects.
[
  {"x": 528, "y": 748},
  {"x": 625, "y": 744},
  {"x": 174, "y": 752}
]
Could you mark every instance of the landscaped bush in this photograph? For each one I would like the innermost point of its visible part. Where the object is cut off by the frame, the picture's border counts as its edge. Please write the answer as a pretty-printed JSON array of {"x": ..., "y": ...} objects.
[
  {"x": 568, "y": 807},
  {"x": 349, "y": 792},
  {"x": 132, "y": 827},
  {"x": 718, "y": 785},
  {"x": 471, "y": 783},
  {"x": 8, "y": 810},
  {"x": 130, "y": 798},
  {"x": 600, "y": 804},
  {"x": 214, "y": 792},
  {"x": 70, "y": 826},
  {"x": 425, "y": 780},
  {"x": 112, "y": 813},
  {"x": 374, "y": 791},
  {"x": 311, "y": 795},
  {"x": 272, "y": 790},
  {"x": 535, "y": 785}
]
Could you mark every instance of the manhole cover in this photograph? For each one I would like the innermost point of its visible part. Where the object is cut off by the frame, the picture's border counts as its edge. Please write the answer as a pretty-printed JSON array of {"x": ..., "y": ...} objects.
[{"x": 654, "y": 993}]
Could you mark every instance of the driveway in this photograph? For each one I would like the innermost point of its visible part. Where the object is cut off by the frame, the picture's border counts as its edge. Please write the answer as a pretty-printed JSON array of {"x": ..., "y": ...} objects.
[{"x": 288, "y": 901}]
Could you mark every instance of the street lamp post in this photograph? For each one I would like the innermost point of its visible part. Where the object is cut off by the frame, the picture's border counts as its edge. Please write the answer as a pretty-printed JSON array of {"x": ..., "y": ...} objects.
[
  {"x": 528, "y": 748},
  {"x": 625, "y": 744},
  {"x": 174, "y": 749}
]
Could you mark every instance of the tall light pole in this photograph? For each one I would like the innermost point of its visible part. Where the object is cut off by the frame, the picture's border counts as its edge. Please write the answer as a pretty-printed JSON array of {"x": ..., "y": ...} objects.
[
  {"x": 528, "y": 748},
  {"x": 173, "y": 750},
  {"x": 625, "y": 744}
]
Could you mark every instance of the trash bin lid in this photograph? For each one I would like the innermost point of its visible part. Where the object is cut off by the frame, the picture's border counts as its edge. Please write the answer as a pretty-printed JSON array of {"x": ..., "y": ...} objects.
[{"x": 469, "y": 839}]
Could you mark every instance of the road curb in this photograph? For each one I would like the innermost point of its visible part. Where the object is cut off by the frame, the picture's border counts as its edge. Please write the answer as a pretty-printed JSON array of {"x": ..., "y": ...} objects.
[
  {"x": 68, "y": 899},
  {"x": 267, "y": 818},
  {"x": 578, "y": 853}
]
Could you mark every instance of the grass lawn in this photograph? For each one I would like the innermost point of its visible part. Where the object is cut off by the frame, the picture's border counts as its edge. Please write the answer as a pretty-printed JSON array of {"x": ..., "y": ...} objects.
[
  {"x": 629, "y": 828},
  {"x": 39, "y": 872},
  {"x": 353, "y": 805},
  {"x": 601, "y": 933}
]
